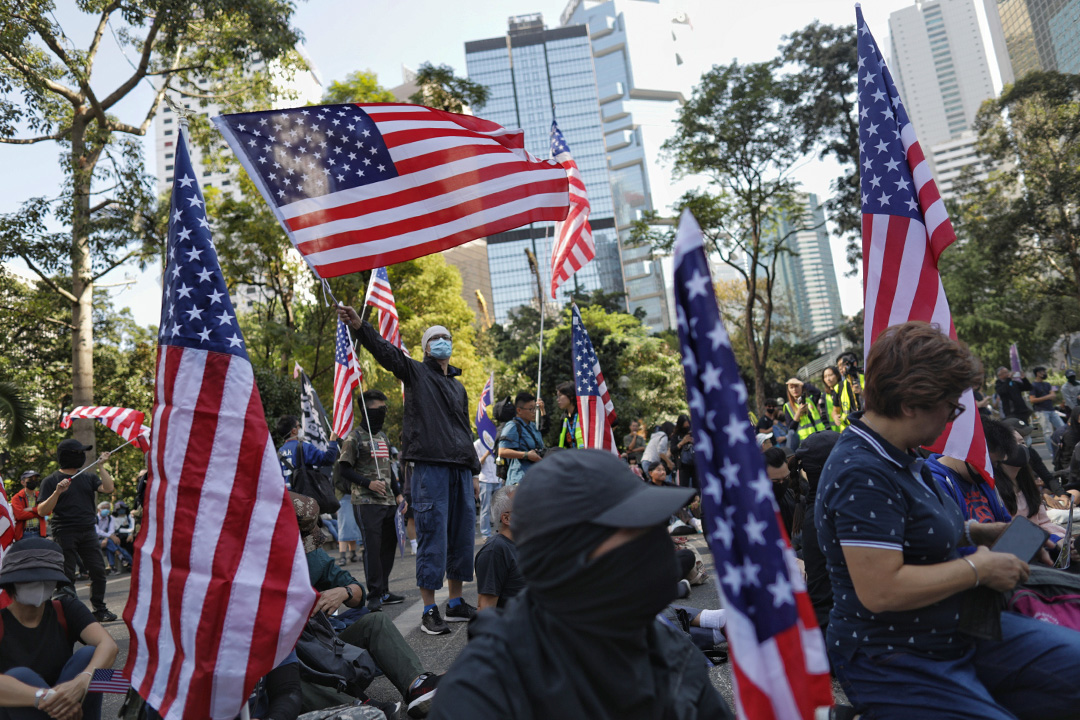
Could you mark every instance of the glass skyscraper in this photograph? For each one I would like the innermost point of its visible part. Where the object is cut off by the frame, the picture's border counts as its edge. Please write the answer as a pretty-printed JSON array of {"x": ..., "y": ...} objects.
[
  {"x": 533, "y": 74},
  {"x": 1039, "y": 34}
]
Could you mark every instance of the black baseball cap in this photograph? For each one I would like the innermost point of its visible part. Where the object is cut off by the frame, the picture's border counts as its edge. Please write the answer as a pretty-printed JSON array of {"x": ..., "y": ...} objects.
[
  {"x": 589, "y": 486},
  {"x": 73, "y": 445},
  {"x": 1018, "y": 425}
]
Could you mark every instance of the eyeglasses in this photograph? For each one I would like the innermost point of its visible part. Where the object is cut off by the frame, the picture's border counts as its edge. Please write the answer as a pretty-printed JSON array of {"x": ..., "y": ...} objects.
[{"x": 956, "y": 410}]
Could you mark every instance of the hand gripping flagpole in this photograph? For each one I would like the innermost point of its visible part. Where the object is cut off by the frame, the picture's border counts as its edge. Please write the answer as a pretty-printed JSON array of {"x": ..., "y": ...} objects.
[{"x": 99, "y": 459}]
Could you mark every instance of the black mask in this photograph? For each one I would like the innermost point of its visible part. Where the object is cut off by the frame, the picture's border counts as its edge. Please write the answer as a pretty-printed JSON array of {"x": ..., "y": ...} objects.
[
  {"x": 376, "y": 417},
  {"x": 32, "y": 484},
  {"x": 71, "y": 458}
]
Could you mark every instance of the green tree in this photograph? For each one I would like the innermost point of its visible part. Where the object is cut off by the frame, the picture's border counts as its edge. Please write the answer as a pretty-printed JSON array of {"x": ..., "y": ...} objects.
[
  {"x": 14, "y": 414},
  {"x": 825, "y": 63},
  {"x": 358, "y": 86},
  {"x": 440, "y": 88},
  {"x": 736, "y": 131},
  {"x": 202, "y": 50}
]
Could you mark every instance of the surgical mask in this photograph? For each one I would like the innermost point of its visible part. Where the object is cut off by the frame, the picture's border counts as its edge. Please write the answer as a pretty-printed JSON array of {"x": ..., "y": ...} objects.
[
  {"x": 34, "y": 593},
  {"x": 440, "y": 349},
  {"x": 105, "y": 512}
]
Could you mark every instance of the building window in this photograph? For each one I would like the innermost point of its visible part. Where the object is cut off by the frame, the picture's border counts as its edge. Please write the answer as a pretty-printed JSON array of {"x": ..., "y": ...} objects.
[
  {"x": 168, "y": 132},
  {"x": 168, "y": 167},
  {"x": 168, "y": 156},
  {"x": 168, "y": 121},
  {"x": 168, "y": 179}
]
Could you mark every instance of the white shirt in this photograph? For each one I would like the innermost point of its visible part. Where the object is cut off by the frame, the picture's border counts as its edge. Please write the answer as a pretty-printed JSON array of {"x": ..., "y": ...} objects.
[{"x": 487, "y": 465}]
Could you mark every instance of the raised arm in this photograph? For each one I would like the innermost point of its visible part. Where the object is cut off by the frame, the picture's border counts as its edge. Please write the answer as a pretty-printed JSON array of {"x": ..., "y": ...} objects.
[{"x": 386, "y": 354}]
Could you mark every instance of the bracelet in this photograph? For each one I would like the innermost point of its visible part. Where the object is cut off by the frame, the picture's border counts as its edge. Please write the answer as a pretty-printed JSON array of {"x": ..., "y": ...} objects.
[
  {"x": 973, "y": 569},
  {"x": 87, "y": 673},
  {"x": 350, "y": 594},
  {"x": 967, "y": 534}
]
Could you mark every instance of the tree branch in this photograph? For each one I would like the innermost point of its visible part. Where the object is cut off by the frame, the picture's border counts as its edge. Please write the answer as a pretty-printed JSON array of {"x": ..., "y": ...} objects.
[
  {"x": 61, "y": 323},
  {"x": 24, "y": 69},
  {"x": 48, "y": 280},
  {"x": 115, "y": 265},
  {"x": 81, "y": 75},
  {"x": 140, "y": 70},
  {"x": 30, "y": 141},
  {"x": 91, "y": 54}
]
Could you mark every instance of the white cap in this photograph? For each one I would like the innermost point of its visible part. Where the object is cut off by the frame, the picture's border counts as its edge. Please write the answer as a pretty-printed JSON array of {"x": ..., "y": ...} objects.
[{"x": 431, "y": 332}]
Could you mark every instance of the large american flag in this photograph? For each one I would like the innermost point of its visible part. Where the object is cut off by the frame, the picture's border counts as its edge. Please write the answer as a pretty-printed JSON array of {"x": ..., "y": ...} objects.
[
  {"x": 595, "y": 410},
  {"x": 125, "y": 422},
  {"x": 381, "y": 297},
  {"x": 573, "y": 237},
  {"x": 220, "y": 588},
  {"x": 359, "y": 186},
  {"x": 347, "y": 377},
  {"x": 905, "y": 230},
  {"x": 777, "y": 651}
]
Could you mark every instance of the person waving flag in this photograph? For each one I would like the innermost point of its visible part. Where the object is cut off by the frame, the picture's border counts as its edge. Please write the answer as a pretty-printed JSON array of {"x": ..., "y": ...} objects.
[
  {"x": 778, "y": 657},
  {"x": 220, "y": 588}
]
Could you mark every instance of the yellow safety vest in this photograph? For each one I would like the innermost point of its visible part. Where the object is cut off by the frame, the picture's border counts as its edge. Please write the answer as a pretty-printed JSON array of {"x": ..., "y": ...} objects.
[
  {"x": 830, "y": 404},
  {"x": 810, "y": 422},
  {"x": 577, "y": 437}
]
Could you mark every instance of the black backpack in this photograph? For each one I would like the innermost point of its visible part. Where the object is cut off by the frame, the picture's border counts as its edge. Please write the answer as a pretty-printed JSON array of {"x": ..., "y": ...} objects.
[
  {"x": 504, "y": 410},
  {"x": 304, "y": 480},
  {"x": 327, "y": 660},
  {"x": 502, "y": 465}
]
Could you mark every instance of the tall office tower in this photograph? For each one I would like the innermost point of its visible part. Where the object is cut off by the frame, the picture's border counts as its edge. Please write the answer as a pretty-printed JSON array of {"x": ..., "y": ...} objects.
[
  {"x": 636, "y": 47},
  {"x": 532, "y": 73},
  {"x": 940, "y": 67},
  {"x": 806, "y": 280},
  {"x": 303, "y": 88},
  {"x": 1037, "y": 34}
]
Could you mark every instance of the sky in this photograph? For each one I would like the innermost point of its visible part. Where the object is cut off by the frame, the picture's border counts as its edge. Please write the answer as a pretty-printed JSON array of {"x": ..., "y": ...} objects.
[{"x": 341, "y": 37}]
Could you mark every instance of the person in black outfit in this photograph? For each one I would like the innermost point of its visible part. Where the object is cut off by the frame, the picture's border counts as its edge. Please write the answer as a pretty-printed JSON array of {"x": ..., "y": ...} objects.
[
  {"x": 497, "y": 575},
  {"x": 811, "y": 457},
  {"x": 583, "y": 640},
  {"x": 1010, "y": 390},
  {"x": 75, "y": 515}
]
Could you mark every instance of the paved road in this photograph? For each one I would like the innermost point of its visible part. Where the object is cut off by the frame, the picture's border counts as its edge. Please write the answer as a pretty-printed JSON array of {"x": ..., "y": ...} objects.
[{"x": 436, "y": 652}]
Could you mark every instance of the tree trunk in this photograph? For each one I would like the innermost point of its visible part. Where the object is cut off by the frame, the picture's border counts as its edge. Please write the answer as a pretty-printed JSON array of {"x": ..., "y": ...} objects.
[{"x": 82, "y": 286}]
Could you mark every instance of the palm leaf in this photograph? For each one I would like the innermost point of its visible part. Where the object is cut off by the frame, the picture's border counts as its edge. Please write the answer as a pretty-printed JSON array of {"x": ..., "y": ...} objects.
[{"x": 14, "y": 414}]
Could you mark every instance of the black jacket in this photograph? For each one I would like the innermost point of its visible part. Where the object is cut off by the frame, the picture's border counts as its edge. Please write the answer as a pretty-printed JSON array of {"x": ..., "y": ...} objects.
[
  {"x": 436, "y": 427},
  {"x": 1010, "y": 392}
]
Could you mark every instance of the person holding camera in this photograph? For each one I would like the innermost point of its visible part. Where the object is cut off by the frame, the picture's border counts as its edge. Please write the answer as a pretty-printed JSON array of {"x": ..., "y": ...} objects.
[
  {"x": 854, "y": 380},
  {"x": 520, "y": 442},
  {"x": 803, "y": 418}
]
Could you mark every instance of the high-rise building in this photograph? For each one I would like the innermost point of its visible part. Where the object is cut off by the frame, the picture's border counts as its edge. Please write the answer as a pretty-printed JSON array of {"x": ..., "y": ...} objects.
[
  {"x": 940, "y": 67},
  {"x": 638, "y": 48},
  {"x": 532, "y": 73},
  {"x": 806, "y": 284},
  {"x": 1038, "y": 34}
]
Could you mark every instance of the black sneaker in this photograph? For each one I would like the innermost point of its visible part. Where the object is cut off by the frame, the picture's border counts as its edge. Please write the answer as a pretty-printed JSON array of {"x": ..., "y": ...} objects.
[
  {"x": 374, "y": 604},
  {"x": 421, "y": 694},
  {"x": 392, "y": 710},
  {"x": 103, "y": 615},
  {"x": 392, "y": 599},
  {"x": 432, "y": 623},
  {"x": 464, "y": 612}
]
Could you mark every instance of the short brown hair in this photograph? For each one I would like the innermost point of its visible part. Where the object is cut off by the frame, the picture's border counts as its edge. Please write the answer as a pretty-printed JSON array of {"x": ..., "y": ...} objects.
[{"x": 917, "y": 365}]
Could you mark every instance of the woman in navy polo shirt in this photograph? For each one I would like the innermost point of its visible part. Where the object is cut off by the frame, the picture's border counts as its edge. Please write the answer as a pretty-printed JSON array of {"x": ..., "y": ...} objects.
[{"x": 900, "y": 559}]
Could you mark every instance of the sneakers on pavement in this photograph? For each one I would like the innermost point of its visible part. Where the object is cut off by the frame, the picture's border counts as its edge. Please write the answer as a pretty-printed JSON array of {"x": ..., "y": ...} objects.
[
  {"x": 392, "y": 599},
  {"x": 103, "y": 615},
  {"x": 374, "y": 604},
  {"x": 433, "y": 624},
  {"x": 392, "y": 710},
  {"x": 421, "y": 694},
  {"x": 464, "y": 612}
]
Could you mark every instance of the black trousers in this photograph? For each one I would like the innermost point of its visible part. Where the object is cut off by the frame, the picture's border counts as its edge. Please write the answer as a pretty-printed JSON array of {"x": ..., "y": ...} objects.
[
  {"x": 380, "y": 544},
  {"x": 86, "y": 545}
]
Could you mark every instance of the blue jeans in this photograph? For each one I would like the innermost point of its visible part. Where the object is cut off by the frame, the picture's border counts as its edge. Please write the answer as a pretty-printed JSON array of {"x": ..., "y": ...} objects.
[
  {"x": 1050, "y": 421},
  {"x": 445, "y": 516},
  {"x": 1016, "y": 677},
  {"x": 487, "y": 492},
  {"x": 112, "y": 550},
  {"x": 74, "y": 666}
]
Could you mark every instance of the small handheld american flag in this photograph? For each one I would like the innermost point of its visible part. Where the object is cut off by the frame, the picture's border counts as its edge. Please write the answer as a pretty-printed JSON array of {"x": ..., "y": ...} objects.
[
  {"x": 596, "y": 413},
  {"x": 109, "y": 681},
  {"x": 347, "y": 377}
]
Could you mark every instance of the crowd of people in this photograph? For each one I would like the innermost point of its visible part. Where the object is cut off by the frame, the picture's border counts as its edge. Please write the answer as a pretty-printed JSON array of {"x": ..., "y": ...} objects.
[{"x": 583, "y": 555}]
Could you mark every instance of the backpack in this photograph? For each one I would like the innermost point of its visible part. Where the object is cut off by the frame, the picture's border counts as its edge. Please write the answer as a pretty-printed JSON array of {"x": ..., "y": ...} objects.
[
  {"x": 504, "y": 410},
  {"x": 327, "y": 660},
  {"x": 1049, "y": 595},
  {"x": 307, "y": 481},
  {"x": 502, "y": 465}
]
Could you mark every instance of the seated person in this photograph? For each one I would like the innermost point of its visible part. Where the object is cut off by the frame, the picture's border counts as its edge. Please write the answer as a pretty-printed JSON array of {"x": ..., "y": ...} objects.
[
  {"x": 374, "y": 631},
  {"x": 658, "y": 475},
  {"x": 117, "y": 556},
  {"x": 125, "y": 526},
  {"x": 497, "y": 575},
  {"x": 1016, "y": 484},
  {"x": 583, "y": 640},
  {"x": 974, "y": 496},
  {"x": 43, "y": 675},
  {"x": 786, "y": 493}
]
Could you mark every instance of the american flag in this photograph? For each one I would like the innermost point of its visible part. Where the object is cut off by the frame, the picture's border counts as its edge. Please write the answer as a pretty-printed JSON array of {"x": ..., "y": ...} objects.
[
  {"x": 220, "y": 582},
  {"x": 777, "y": 651},
  {"x": 485, "y": 426},
  {"x": 359, "y": 186},
  {"x": 7, "y": 522},
  {"x": 573, "y": 238},
  {"x": 382, "y": 450},
  {"x": 347, "y": 377},
  {"x": 595, "y": 410},
  {"x": 905, "y": 230},
  {"x": 108, "y": 681},
  {"x": 381, "y": 297},
  {"x": 125, "y": 422}
]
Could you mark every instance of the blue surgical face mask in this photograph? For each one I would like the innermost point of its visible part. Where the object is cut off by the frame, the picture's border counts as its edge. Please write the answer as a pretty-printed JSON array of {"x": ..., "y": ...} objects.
[
  {"x": 105, "y": 512},
  {"x": 440, "y": 349}
]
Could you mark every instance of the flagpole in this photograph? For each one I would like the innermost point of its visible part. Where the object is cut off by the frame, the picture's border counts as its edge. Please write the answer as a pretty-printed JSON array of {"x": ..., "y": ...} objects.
[
  {"x": 540, "y": 362},
  {"x": 99, "y": 459}
]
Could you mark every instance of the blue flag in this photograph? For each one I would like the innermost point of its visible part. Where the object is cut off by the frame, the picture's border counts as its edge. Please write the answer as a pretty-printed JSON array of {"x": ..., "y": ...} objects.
[{"x": 485, "y": 426}]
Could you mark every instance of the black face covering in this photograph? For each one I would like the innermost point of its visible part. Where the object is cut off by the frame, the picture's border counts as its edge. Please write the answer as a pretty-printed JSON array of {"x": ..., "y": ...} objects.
[
  {"x": 32, "y": 484},
  {"x": 375, "y": 418},
  {"x": 71, "y": 458}
]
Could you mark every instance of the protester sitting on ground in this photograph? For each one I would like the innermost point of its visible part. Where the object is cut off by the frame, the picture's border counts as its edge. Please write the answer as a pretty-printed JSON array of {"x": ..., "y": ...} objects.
[
  {"x": 900, "y": 559},
  {"x": 658, "y": 475},
  {"x": 810, "y": 458},
  {"x": 657, "y": 450},
  {"x": 635, "y": 467},
  {"x": 801, "y": 414},
  {"x": 110, "y": 541},
  {"x": 125, "y": 526},
  {"x": 519, "y": 440},
  {"x": 288, "y": 427},
  {"x": 42, "y": 671},
  {"x": 24, "y": 506},
  {"x": 976, "y": 498},
  {"x": 373, "y": 631},
  {"x": 583, "y": 641},
  {"x": 1052, "y": 487},
  {"x": 785, "y": 492},
  {"x": 634, "y": 442},
  {"x": 497, "y": 575},
  {"x": 73, "y": 516},
  {"x": 1016, "y": 485}
]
